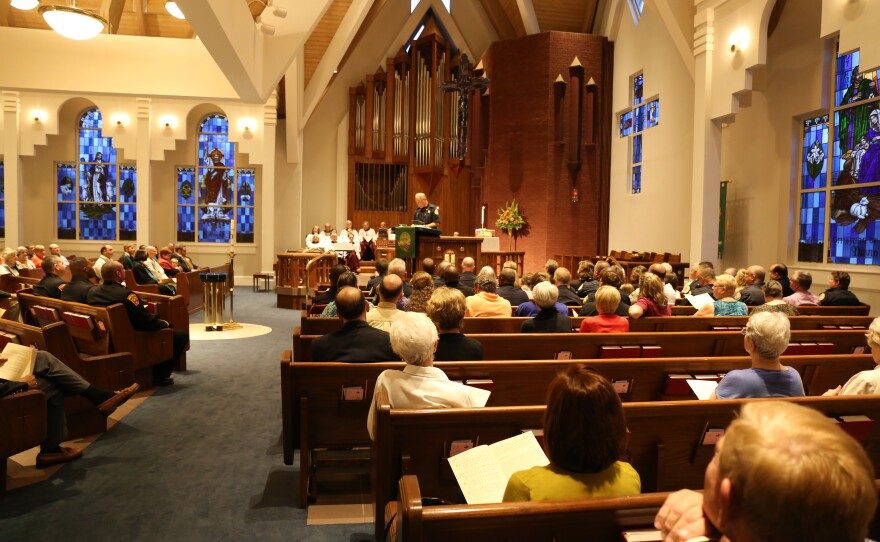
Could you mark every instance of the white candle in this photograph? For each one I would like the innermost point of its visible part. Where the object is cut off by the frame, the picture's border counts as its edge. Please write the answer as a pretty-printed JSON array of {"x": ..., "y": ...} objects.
[{"x": 482, "y": 215}]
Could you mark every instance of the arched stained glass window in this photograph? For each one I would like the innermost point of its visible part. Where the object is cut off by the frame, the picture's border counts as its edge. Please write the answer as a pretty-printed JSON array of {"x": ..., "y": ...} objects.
[
  {"x": 97, "y": 194},
  {"x": 213, "y": 198}
]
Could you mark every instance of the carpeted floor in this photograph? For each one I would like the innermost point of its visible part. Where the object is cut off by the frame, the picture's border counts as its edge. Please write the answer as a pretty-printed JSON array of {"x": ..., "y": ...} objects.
[{"x": 200, "y": 460}]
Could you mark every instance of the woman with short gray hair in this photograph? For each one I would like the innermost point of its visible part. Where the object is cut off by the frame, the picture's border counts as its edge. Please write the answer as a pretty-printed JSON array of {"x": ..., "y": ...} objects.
[
  {"x": 548, "y": 319},
  {"x": 766, "y": 337}
]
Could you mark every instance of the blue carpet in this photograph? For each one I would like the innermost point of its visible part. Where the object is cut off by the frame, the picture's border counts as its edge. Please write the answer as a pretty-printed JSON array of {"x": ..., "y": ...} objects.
[{"x": 200, "y": 460}]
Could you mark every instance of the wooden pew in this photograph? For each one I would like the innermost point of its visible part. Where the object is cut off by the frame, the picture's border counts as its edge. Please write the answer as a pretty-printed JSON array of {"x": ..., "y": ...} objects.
[
  {"x": 315, "y": 415},
  {"x": 321, "y": 326},
  {"x": 663, "y": 446},
  {"x": 22, "y": 426},
  {"x": 110, "y": 332},
  {"x": 861, "y": 310},
  {"x": 173, "y": 310},
  {"x": 589, "y": 345},
  {"x": 12, "y": 283},
  {"x": 598, "y": 520}
]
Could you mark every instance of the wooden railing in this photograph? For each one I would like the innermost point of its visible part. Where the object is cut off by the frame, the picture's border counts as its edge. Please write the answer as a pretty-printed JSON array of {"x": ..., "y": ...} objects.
[{"x": 496, "y": 260}]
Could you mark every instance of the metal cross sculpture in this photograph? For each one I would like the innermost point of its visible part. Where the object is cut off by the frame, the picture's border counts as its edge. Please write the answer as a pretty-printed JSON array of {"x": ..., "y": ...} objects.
[{"x": 463, "y": 84}]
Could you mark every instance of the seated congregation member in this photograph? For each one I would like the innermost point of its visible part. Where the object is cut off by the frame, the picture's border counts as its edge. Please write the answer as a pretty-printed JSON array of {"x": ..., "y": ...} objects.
[
  {"x": 773, "y": 301},
  {"x": 381, "y": 271},
  {"x": 152, "y": 263},
  {"x": 368, "y": 237},
  {"x": 170, "y": 266},
  {"x": 390, "y": 292},
  {"x": 781, "y": 472},
  {"x": 467, "y": 272},
  {"x": 179, "y": 260},
  {"x": 551, "y": 266},
  {"x": 608, "y": 320},
  {"x": 446, "y": 309},
  {"x": 105, "y": 256},
  {"x": 440, "y": 271},
  {"x": 724, "y": 304},
  {"x": 507, "y": 288},
  {"x": 584, "y": 434},
  {"x": 356, "y": 340},
  {"x": 766, "y": 337},
  {"x": 610, "y": 276},
  {"x": 779, "y": 273},
  {"x": 316, "y": 241},
  {"x": 423, "y": 287},
  {"x": 589, "y": 286},
  {"x": 180, "y": 250},
  {"x": 127, "y": 258},
  {"x": 584, "y": 274},
  {"x": 329, "y": 295},
  {"x": 562, "y": 280},
  {"x": 8, "y": 261},
  {"x": 58, "y": 381},
  {"x": 548, "y": 319},
  {"x": 77, "y": 290},
  {"x": 706, "y": 283},
  {"x": 398, "y": 267},
  {"x": 753, "y": 294},
  {"x": 54, "y": 280},
  {"x": 39, "y": 254},
  {"x": 651, "y": 301},
  {"x": 430, "y": 267},
  {"x": 865, "y": 382},
  {"x": 800, "y": 285},
  {"x": 692, "y": 280},
  {"x": 143, "y": 274},
  {"x": 485, "y": 302},
  {"x": 22, "y": 260},
  {"x": 531, "y": 308},
  {"x": 419, "y": 384},
  {"x": 741, "y": 283},
  {"x": 112, "y": 291},
  {"x": 838, "y": 294},
  {"x": 451, "y": 279},
  {"x": 346, "y": 279}
]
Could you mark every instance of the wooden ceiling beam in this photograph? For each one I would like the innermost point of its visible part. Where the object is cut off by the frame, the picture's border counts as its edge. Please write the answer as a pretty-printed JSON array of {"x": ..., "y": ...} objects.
[
  {"x": 4, "y": 13},
  {"x": 112, "y": 11},
  {"x": 139, "y": 7},
  {"x": 498, "y": 18},
  {"x": 529, "y": 19},
  {"x": 590, "y": 12}
]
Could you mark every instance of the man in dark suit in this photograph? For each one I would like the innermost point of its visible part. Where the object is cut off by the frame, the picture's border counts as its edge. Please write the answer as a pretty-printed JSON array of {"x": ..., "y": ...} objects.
[
  {"x": 382, "y": 270},
  {"x": 356, "y": 341},
  {"x": 779, "y": 273},
  {"x": 468, "y": 278},
  {"x": 610, "y": 276},
  {"x": 77, "y": 290},
  {"x": 451, "y": 279},
  {"x": 112, "y": 291},
  {"x": 566, "y": 296},
  {"x": 508, "y": 291},
  {"x": 753, "y": 293},
  {"x": 53, "y": 282}
]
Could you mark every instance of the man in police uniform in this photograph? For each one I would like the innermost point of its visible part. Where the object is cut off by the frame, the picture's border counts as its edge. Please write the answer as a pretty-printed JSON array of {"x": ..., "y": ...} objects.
[
  {"x": 77, "y": 290},
  {"x": 838, "y": 293},
  {"x": 112, "y": 291},
  {"x": 427, "y": 214},
  {"x": 53, "y": 282}
]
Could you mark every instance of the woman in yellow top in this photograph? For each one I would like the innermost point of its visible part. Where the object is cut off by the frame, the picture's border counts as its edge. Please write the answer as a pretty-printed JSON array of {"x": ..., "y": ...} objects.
[{"x": 584, "y": 434}]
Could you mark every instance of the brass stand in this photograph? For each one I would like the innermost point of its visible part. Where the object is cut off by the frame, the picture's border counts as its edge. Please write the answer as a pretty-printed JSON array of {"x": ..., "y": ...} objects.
[{"x": 232, "y": 324}]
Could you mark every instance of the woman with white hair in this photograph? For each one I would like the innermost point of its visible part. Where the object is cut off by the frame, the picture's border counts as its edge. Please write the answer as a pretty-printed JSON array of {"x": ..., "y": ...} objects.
[
  {"x": 9, "y": 259},
  {"x": 548, "y": 319},
  {"x": 766, "y": 337},
  {"x": 865, "y": 382},
  {"x": 419, "y": 384}
]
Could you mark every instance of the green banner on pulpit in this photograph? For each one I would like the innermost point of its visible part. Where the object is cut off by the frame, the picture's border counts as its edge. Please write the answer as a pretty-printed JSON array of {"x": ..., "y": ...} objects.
[{"x": 405, "y": 242}]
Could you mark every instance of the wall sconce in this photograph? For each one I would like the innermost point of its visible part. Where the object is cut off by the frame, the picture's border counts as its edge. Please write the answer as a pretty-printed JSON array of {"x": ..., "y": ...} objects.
[
  {"x": 267, "y": 29},
  {"x": 168, "y": 121},
  {"x": 738, "y": 40},
  {"x": 39, "y": 116},
  {"x": 119, "y": 119},
  {"x": 247, "y": 125}
]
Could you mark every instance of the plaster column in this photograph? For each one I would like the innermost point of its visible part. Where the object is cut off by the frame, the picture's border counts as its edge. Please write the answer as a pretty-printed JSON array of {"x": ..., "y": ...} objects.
[
  {"x": 142, "y": 157},
  {"x": 706, "y": 181},
  {"x": 267, "y": 209},
  {"x": 12, "y": 165}
]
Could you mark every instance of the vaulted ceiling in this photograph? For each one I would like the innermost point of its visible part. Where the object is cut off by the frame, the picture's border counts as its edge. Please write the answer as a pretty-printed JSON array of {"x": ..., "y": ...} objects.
[{"x": 311, "y": 25}]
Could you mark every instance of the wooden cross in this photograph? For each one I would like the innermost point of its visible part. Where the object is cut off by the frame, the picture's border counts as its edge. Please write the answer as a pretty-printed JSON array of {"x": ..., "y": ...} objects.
[
  {"x": 633, "y": 122},
  {"x": 463, "y": 84}
]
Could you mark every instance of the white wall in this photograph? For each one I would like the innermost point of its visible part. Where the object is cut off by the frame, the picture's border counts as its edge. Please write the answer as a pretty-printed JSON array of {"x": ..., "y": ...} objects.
[{"x": 658, "y": 219}]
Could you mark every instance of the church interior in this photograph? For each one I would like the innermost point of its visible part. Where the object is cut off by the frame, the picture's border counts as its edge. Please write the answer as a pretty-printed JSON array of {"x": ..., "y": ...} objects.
[{"x": 719, "y": 130}]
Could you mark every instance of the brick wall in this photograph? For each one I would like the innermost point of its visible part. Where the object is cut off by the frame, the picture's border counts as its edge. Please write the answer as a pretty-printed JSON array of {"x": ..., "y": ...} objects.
[{"x": 524, "y": 159}]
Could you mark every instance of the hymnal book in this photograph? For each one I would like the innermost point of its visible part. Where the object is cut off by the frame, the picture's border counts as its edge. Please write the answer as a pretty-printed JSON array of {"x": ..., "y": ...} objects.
[
  {"x": 354, "y": 393},
  {"x": 483, "y": 472},
  {"x": 460, "y": 446},
  {"x": 620, "y": 352},
  {"x": 480, "y": 396},
  {"x": 652, "y": 351},
  {"x": 714, "y": 377},
  {"x": 152, "y": 308},
  {"x": 562, "y": 354},
  {"x": 82, "y": 321},
  {"x": 825, "y": 348},
  {"x": 858, "y": 426},
  {"x": 642, "y": 535},
  {"x": 482, "y": 383},
  {"x": 699, "y": 300},
  {"x": 19, "y": 361},
  {"x": 45, "y": 313},
  {"x": 6, "y": 338},
  {"x": 703, "y": 389},
  {"x": 621, "y": 386},
  {"x": 676, "y": 384}
]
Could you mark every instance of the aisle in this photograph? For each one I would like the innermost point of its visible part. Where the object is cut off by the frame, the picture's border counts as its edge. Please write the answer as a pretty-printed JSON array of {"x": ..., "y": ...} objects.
[{"x": 200, "y": 460}]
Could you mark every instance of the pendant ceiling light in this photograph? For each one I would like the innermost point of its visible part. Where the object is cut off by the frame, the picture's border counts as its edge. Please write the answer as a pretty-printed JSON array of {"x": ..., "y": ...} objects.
[
  {"x": 174, "y": 10},
  {"x": 72, "y": 22},
  {"x": 25, "y": 4}
]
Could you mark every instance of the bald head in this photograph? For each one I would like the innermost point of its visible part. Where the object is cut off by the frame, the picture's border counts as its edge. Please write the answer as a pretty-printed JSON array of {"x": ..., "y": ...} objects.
[
  {"x": 391, "y": 288},
  {"x": 597, "y": 269},
  {"x": 350, "y": 303},
  {"x": 112, "y": 271},
  {"x": 468, "y": 264},
  {"x": 658, "y": 269}
]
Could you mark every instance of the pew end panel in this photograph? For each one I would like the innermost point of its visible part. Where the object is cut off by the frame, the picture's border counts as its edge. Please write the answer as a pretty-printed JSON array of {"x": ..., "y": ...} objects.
[{"x": 22, "y": 426}]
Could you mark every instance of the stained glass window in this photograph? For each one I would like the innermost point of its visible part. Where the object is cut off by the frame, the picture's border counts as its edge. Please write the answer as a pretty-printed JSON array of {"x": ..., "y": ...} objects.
[
  {"x": 637, "y": 7},
  {"x": 91, "y": 192},
  {"x": 213, "y": 198},
  {"x": 634, "y": 121},
  {"x": 842, "y": 197},
  {"x": 2, "y": 200}
]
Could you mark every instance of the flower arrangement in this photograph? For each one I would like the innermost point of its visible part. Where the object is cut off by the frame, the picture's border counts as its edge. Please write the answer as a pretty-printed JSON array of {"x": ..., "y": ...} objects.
[{"x": 510, "y": 219}]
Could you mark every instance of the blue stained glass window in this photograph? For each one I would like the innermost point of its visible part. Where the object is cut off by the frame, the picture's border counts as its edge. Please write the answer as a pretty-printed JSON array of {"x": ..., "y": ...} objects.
[
  {"x": 653, "y": 113},
  {"x": 637, "y": 149},
  {"x": 811, "y": 241},
  {"x": 626, "y": 124},
  {"x": 186, "y": 185},
  {"x": 245, "y": 230},
  {"x": 2, "y": 180},
  {"x": 90, "y": 191},
  {"x": 127, "y": 222},
  {"x": 245, "y": 191},
  {"x": 213, "y": 230},
  {"x": 638, "y": 89},
  {"x": 639, "y": 119},
  {"x": 853, "y": 236},
  {"x": 637, "y": 179},
  {"x": 815, "y": 153},
  {"x": 186, "y": 223}
]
